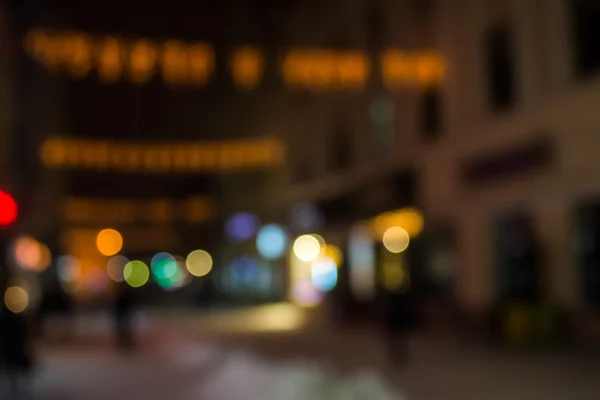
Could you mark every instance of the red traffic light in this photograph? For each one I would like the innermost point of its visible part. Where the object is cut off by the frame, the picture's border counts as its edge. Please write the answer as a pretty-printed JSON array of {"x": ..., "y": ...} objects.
[{"x": 8, "y": 209}]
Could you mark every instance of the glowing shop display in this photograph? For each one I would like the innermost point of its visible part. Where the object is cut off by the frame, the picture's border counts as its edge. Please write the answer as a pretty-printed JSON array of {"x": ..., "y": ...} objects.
[
  {"x": 394, "y": 275},
  {"x": 136, "y": 274},
  {"x": 272, "y": 242},
  {"x": 361, "y": 263}
]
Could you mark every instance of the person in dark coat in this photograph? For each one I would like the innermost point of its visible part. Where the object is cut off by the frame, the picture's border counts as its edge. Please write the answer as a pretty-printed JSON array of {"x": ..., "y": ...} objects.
[
  {"x": 400, "y": 320},
  {"x": 124, "y": 309},
  {"x": 15, "y": 351}
]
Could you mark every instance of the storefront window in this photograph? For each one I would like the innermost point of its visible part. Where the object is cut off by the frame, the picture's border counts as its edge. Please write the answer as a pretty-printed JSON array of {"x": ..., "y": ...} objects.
[
  {"x": 517, "y": 257},
  {"x": 587, "y": 251}
]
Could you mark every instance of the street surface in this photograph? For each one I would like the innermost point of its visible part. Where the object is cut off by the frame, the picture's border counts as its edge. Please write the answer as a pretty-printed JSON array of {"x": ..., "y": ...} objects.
[{"x": 187, "y": 355}]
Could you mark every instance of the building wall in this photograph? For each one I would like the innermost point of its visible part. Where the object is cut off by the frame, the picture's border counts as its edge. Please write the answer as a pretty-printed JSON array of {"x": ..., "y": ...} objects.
[
  {"x": 548, "y": 99},
  {"x": 5, "y": 100}
]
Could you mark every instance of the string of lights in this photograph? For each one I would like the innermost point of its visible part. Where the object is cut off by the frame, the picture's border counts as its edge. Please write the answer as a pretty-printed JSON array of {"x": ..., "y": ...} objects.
[
  {"x": 163, "y": 157},
  {"x": 192, "y": 64}
]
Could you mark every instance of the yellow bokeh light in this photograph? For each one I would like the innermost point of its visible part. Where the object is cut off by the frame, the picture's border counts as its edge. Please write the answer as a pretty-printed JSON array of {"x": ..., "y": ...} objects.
[
  {"x": 199, "y": 263},
  {"x": 28, "y": 253},
  {"x": 334, "y": 253},
  {"x": 109, "y": 242},
  {"x": 16, "y": 299},
  {"x": 396, "y": 239},
  {"x": 136, "y": 274},
  {"x": 307, "y": 247},
  {"x": 410, "y": 219}
]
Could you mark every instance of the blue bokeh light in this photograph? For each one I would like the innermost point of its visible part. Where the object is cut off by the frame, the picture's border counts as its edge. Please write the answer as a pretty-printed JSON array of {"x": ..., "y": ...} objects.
[
  {"x": 164, "y": 266},
  {"x": 242, "y": 226},
  {"x": 324, "y": 274}
]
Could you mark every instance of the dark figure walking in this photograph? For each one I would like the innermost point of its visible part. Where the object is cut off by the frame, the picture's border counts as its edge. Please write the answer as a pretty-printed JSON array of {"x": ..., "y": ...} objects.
[
  {"x": 124, "y": 309},
  {"x": 15, "y": 352},
  {"x": 55, "y": 302},
  {"x": 400, "y": 321}
]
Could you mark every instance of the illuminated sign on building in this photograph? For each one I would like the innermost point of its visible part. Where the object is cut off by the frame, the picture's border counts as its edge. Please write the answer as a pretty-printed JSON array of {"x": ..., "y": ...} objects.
[
  {"x": 230, "y": 156},
  {"x": 181, "y": 63}
]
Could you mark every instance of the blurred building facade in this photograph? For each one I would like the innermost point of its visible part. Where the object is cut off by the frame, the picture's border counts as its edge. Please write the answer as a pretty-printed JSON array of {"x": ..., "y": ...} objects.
[
  {"x": 113, "y": 139},
  {"x": 502, "y": 154},
  {"x": 5, "y": 103}
]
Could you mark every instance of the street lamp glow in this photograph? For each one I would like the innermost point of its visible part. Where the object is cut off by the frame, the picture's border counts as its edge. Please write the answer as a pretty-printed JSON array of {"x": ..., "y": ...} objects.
[
  {"x": 28, "y": 253},
  {"x": 9, "y": 210},
  {"x": 109, "y": 242},
  {"x": 16, "y": 299},
  {"x": 199, "y": 263},
  {"x": 136, "y": 274},
  {"x": 396, "y": 239},
  {"x": 307, "y": 248}
]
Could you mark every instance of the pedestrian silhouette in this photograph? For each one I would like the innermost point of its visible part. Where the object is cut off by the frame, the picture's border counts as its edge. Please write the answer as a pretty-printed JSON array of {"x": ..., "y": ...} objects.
[
  {"x": 400, "y": 320},
  {"x": 15, "y": 351},
  {"x": 124, "y": 310}
]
